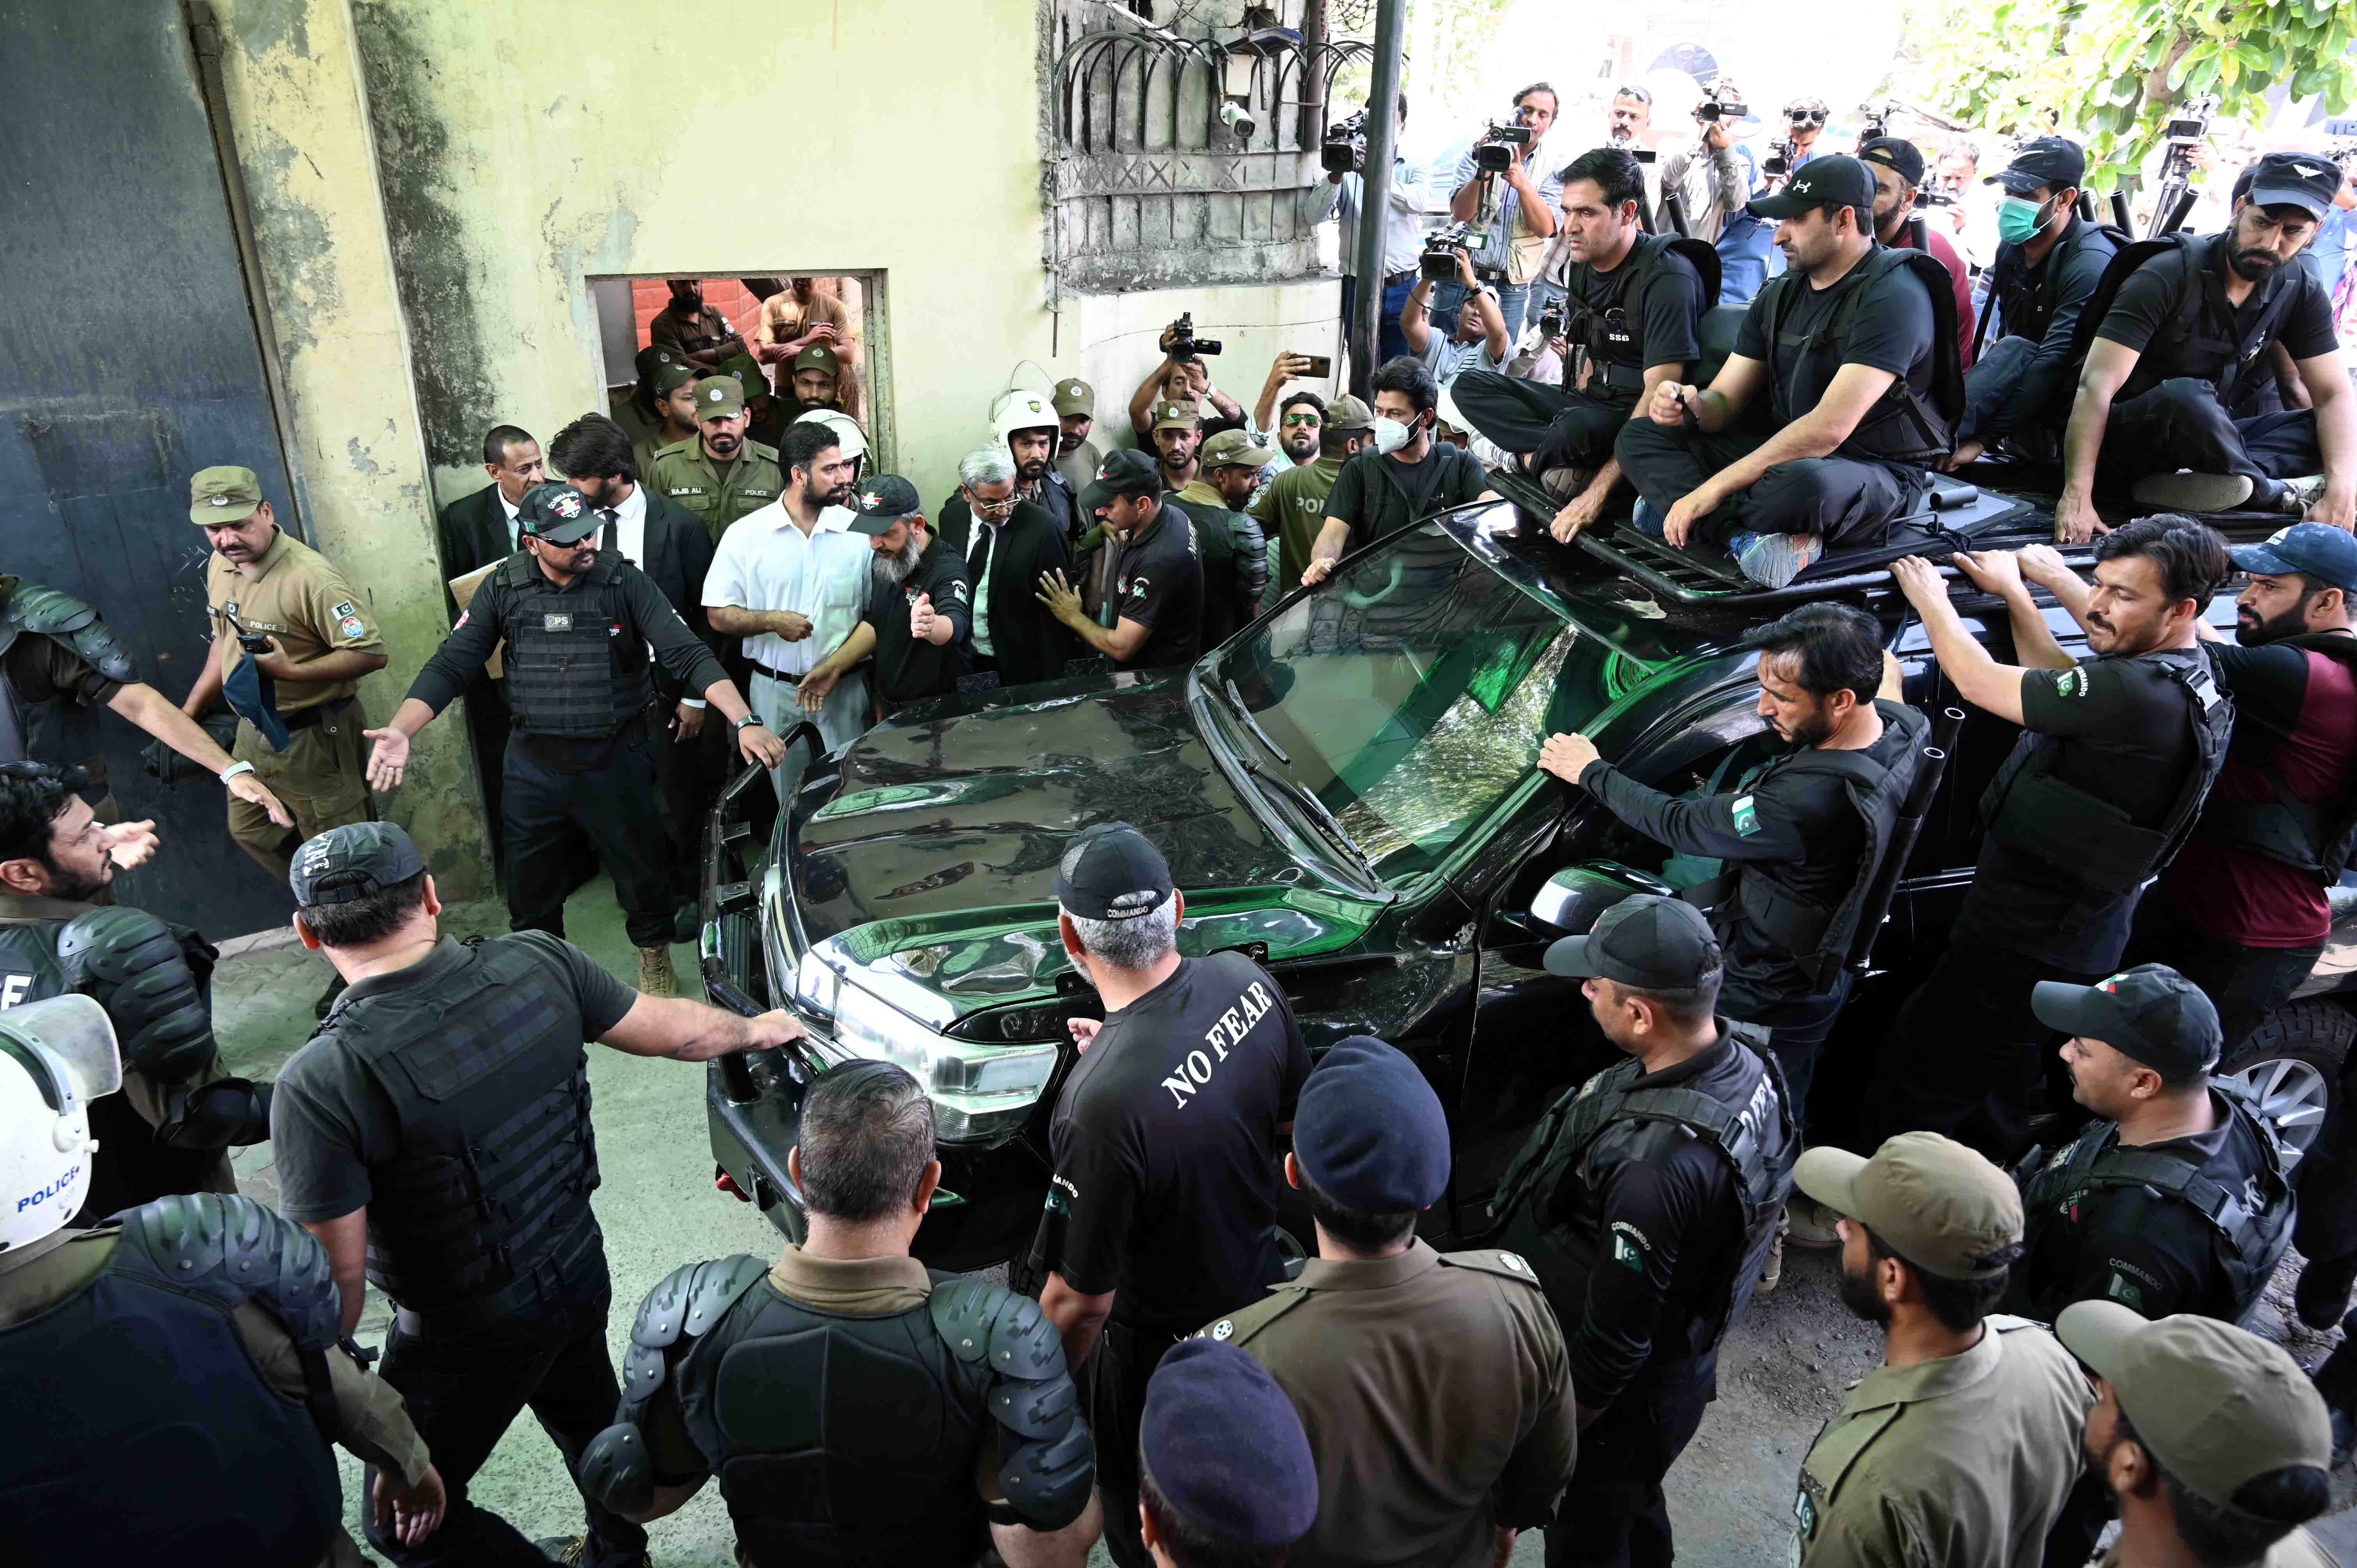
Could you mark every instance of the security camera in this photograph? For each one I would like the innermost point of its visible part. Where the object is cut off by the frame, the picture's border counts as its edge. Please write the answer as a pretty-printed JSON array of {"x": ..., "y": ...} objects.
[{"x": 1238, "y": 118}]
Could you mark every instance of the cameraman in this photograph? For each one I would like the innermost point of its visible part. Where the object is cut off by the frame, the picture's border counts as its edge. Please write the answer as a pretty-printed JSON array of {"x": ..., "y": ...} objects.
[
  {"x": 1395, "y": 271},
  {"x": 1479, "y": 341},
  {"x": 1637, "y": 322},
  {"x": 1515, "y": 242},
  {"x": 1804, "y": 122},
  {"x": 1711, "y": 178},
  {"x": 1177, "y": 380},
  {"x": 1897, "y": 170}
]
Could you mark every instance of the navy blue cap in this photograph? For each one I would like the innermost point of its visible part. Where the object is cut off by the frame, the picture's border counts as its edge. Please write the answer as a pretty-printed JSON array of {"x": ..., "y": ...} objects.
[
  {"x": 1370, "y": 1133},
  {"x": 2053, "y": 162},
  {"x": 556, "y": 512},
  {"x": 2295, "y": 180},
  {"x": 1225, "y": 1446},
  {"x": 356, "y": 861},
  {"x": 2151, "y": 1013},
  {"x": 1111, "y": 872},
  {"x": 2323, "y": 552}
]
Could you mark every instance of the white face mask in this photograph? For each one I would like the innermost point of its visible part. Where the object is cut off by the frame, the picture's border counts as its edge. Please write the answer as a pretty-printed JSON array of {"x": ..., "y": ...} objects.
[{"x": 1391, "y": 435}]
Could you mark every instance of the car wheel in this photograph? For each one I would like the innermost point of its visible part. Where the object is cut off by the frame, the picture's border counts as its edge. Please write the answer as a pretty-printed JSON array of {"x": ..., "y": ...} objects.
[{"x": 2291, "y": 1065}]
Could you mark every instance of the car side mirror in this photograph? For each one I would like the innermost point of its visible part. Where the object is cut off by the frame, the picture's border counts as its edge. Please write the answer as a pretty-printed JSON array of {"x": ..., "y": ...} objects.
[{"x": 1574, "y": 897}]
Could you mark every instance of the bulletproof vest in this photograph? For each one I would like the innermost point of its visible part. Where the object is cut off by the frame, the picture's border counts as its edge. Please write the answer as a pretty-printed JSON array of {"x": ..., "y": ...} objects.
[
  {"x": 2033, "y": 811},
  {"x": 2199, "y": 339},
  {"x": 1547, "y": 1216},
  {"x": 142, "y": 1377},
  {"x": 554, "y": 639},
  {"x": 2028, "y": 310},
  {"x": 1610, "y": 335},
  {"x": 2315, "y": 836},
  {"x": 1875, "y": 780},
  {"x": 59, "y": 730},
  {"x": 1902, "y": 425},
  {"x": 2249, "y": 1212},
  {"x": 487, "y": 1197}
]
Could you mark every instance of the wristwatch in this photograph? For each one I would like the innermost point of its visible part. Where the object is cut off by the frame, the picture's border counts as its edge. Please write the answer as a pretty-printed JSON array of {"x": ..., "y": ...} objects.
[
  {"x": 748, "y": 721},
  {"x": 233, "y": 769}
]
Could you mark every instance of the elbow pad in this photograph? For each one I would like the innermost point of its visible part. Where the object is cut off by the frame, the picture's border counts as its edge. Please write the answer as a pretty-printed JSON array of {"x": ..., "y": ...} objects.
[
  {"x": 132, "y": 965},
  {"x": 227, "y": 1112},
  {"x": 615, "y": 1470},
  {"x": 1049, "y": 1465}
]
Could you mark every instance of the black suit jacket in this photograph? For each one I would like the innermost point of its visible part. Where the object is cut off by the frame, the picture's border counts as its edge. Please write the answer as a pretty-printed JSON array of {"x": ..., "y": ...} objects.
[
  {"x": 474, "y": 533},
  {"x": 1030, "y": 644},
  {"x": 679, "y": 554}
]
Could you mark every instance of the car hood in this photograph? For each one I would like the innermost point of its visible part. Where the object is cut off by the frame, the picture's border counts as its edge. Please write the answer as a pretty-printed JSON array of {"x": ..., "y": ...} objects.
[{"x": 940, "y": 845}]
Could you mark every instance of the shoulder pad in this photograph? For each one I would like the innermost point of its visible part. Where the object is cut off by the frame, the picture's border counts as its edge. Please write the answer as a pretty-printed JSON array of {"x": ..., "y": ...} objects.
[
  {"x": 617, "y": 1471},
  {"x": 232, "y": 1249},
  {"x": 1505, "y": 1266},
  {"x": 686, "y": 1303},
  {"x": 34, "y": 608},
  {"x": 136, "y": 967},
  {"x": 1048, "y": 1483},
  {"x": 980, "y": 1321}
]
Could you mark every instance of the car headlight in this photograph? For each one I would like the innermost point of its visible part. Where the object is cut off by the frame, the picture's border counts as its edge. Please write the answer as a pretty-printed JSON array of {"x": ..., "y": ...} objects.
[{"x": 980, "y": 1092}]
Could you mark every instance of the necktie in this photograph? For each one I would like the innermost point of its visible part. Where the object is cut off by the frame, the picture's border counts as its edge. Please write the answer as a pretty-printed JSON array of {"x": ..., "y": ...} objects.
[
  {"x": 980, "y": 554},
  {"x": 606, "y": 539}
]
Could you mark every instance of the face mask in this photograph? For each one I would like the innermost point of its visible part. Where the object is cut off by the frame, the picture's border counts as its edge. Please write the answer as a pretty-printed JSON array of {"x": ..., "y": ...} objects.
[
  {"x": 1391, "y": 435},
  {"x": 2018, "y": 220}
]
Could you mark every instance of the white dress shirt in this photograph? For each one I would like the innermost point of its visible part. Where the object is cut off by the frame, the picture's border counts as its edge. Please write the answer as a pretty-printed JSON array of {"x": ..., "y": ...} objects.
[
  {"x": 978, "y": 634},
  {"x": 765, "y": 561},
  {"x": 515, "y": 541},
  {"x": 630, "y": 544},
  {"x": 1404, "y": 221}
]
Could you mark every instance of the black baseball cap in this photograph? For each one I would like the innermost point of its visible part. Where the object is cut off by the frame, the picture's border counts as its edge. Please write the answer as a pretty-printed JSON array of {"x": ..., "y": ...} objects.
[
  {"x": 2323, "y": 552},
  {"x": 1111, "y": 872},
  {"x": 1370, "y": 1133},
  {"x": 1648, "y": 941},
  {"x": 2151, "y": 1013},
  {"x": 1126, "y": 471},
  {"x": 2049, "y": 161},
  {"x": 2295, "y": 180},
  {"x": 1897, "y": 154},
  {"x": 352, "y": 862},
  {"x": 556, "y": 512},
  {"x": 881, "y": 501},
  {"x": 1833, "y": 180}
]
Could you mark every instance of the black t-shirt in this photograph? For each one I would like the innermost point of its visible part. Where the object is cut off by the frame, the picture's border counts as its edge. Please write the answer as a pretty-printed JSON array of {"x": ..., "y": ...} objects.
[
  {"x": 1160, "y": 587},
  {"x": 2147, "y": 300},
  {"x": 2126, "y": 738},
  {"x": 1665, "y": 319},
  {"x": 1379, "y": 496},
  {"x": 1167, "y": 1148},
  {"x": 329, "y": 1122},
  {"x": 1891, "y": 331},
  {"x": 908, "y": 670}
]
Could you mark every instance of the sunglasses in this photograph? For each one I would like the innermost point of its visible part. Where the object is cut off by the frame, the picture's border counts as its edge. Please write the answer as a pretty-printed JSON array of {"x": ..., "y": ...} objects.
[
  {"x": 1805, "y": 116},
  {"x": 1300, "y": 419},
  {"x": 1639, "y": 93}
]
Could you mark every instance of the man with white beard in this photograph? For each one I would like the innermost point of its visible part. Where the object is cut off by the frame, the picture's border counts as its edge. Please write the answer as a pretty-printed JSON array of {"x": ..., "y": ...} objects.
[{"x": 919, "y": 604}]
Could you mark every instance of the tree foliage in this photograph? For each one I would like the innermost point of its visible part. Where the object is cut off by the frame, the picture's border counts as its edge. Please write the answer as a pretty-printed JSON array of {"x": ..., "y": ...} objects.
[{"x": 2112, "y": 70}]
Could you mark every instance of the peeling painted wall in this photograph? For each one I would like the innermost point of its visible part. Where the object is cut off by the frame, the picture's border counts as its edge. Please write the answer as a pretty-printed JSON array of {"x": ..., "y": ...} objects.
[{"x": 292, "y": 74}]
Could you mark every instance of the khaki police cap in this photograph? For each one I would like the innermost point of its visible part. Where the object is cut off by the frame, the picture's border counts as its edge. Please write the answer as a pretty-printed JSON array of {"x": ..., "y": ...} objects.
[
  {"x": 1235, "y": 449},
  {"x": 2218, "y": 1407},
  {"x": 819, "y": 357},
  {"x": 671, "y": 378},
  {"x": 1176, "y": 416},
  {"x": 1073, "y": 396},
  {"x": 223, "y": 494},
  {"x": 1937, "y": 1204},
  {"x": 1349, "y": 412},
  {"x": 720, "y": 397}
]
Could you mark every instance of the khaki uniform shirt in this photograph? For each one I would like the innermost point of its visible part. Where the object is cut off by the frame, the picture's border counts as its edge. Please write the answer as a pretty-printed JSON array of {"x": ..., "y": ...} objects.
[
  {"x": 719, "y": 497},
  {"x": 376, "y": 1428},
  {"x": 1958, "y": 1462},
  {"x": 2297, "y": 1550},
  {"x": 1436, "y": 1397},
  {"x": 1292, "y": 511},
  {"x": 294, "y": 595},
  {"x": 1080, "y": 465},
  {"x": 707, "y": 329}
]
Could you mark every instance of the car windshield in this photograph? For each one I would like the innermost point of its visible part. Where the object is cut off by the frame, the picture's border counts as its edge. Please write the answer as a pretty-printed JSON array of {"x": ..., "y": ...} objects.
[{"x": 1414, "y": 692}]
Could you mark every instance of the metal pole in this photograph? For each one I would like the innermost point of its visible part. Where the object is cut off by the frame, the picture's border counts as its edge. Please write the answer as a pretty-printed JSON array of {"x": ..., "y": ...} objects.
[{"x": 1376, "y": 190}]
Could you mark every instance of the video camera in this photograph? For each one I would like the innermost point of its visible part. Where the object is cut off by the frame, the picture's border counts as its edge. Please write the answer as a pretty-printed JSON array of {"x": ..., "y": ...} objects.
[
  {"x": 1927, "y": 197},
  {"x": 1441, "y": 249},
  {"x": 1626, "y": 142},
  {"x": 1184, "y": 347},
  {"x": 1717, "y": 109},
  {"x": 1551, "y": 320},
  {"x": 1344, "y": 150},
  {"x": 2186, "y": 129},
  {"x": 1495, "y": 150},
  {"x": 1779, "y": 161},
  {"x": 1874, "y": 118}
]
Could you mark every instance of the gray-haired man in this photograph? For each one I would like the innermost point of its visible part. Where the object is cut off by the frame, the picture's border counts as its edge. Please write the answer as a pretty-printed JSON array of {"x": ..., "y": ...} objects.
[{"x": 1007, "y": 545}]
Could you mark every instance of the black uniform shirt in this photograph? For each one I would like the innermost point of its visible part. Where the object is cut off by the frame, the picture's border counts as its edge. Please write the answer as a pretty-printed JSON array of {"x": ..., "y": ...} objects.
[
  {"x": 2147, "y": 300},
  {"x": 2015, "y": 293},
  {"x": 1663, "y": 1226},
  {"x": 1891, "y": 331},
  {"x": 1160, "y": 587},
  {"x": 1378, "y": 496},
  {"x": 908, "y": 670},
  {"x": 1663, "y": 321},
  {"x": 2126, "y": 739},
  {"x": 1167, "y": 1142},
  {"x": 1800, "y": 822},
  {"x": 2131, "y": 1245},
  {"x": 330, "y": 1122}
]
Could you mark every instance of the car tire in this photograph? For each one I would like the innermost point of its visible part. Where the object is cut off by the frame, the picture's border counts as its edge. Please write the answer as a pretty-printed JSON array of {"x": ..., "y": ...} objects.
[{"x": 2291, "y": 1064}]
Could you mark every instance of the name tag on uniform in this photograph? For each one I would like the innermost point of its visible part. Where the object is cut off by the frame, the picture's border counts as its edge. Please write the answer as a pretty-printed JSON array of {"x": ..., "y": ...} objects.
[{"x": 552, "y": 621}]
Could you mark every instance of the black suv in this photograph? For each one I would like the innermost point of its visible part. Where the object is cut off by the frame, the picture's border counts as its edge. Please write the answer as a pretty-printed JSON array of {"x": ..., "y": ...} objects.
[{"x": 1347, "y": 790}]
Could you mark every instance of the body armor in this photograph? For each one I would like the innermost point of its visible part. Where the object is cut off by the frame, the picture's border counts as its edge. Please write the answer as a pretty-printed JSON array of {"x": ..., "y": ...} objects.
[
  {"x": 143, "y": 1374},
  {"x": 2028, "y": 311},
  {"x": 2199, "y": 339},
  {"x": 557, "y": 640},
  {"x": 60, "y": 730},
  {"x": 841, "y": 1439},
  {"x": 1902, "y": 425},
  {"x": 486, "y": 1200},
  {"x": 1608, "y": 337},
  {"x": 1540, "y": 1198}
]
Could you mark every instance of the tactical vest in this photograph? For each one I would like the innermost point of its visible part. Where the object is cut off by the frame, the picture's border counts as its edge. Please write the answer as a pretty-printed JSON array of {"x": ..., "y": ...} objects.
[
  {"x": 1902, "y": 425},
  {"x": 2315, "y": 836},
  {"x": 556, "y": 640},
  {"x": 1876, "y": 778},
  {"x": 2029, "y": 311},
  {"x": 2250, "y": 1226},
  {"x": 1610, "y": 335},
  {"x": 141, "y": 1373},
  {"x": 2088, "y": 841},
  {"x": 841, "y": 1439},
  {"x": 2198, "y": 337},
  {"x": 59, "y": 730},
  {"x": 1542, "y": 1198},
  {"x": 486, "y": 1203}
]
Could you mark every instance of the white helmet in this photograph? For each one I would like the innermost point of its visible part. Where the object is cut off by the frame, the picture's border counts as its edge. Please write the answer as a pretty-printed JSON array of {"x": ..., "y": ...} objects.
[
  {"x": 1023, "y": 410},
  {"x": 56, "y": 1056},
  {"x": 847, "y": 429}
]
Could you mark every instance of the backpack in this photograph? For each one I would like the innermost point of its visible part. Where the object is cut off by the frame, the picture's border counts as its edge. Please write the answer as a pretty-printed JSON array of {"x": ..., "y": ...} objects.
[{"x": 1903, "y": 425}]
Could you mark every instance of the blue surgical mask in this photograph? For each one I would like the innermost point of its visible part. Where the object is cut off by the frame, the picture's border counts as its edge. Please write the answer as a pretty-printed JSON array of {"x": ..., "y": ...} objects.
[{"x": 2018, "y": 220}]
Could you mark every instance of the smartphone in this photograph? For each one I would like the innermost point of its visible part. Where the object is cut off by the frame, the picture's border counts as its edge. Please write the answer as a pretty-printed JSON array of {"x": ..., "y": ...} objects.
[{"x": 1320, "y": 366}]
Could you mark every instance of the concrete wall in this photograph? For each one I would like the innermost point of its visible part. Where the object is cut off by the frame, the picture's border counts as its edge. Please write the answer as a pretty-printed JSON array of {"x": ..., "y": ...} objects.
[{"x": 292, "y": 78}]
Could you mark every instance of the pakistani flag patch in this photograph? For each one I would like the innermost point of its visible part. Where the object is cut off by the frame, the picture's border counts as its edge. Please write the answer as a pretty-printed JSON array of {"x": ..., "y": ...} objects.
[{"x": 1747, "y": 816}]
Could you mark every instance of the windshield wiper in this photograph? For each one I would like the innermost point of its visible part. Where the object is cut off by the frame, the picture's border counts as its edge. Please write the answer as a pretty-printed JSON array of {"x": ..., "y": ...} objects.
[
  {"x": 1236, "y": 700},
  {"x": 1315, "y": 808}
]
